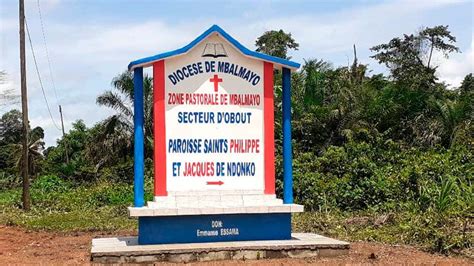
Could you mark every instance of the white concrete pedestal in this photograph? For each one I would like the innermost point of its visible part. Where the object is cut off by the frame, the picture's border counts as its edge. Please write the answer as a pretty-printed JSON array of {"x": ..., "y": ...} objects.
[{"x": 302, "y": 245}]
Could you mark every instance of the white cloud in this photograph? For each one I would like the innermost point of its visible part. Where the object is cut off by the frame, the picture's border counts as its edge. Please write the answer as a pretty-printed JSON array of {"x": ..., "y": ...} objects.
[
  {"x": 453, "y": 70},
  {"x": 87, "y": 55},
  {"x": 9, "y": 98},
  {"x": 365, "y": 26},
  {"x": 46, "y": 5}
]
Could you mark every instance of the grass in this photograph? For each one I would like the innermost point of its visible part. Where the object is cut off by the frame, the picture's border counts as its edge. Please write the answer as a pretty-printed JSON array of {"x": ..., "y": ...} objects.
[
  {"x": 104, "y": 219},
  {"x": 62, "y": 206},
  {"x": 427, "y": 230}
]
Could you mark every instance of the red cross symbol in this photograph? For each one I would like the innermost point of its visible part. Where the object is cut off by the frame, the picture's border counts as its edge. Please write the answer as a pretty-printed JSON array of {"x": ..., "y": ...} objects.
[{"x": 216, "y": 81}]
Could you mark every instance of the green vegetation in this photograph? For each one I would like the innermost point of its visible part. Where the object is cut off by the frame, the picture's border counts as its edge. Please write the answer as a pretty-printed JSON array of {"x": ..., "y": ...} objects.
[
  {"x": 378, "y": 158},
  {"x": 64, "y": 206},
  {"x": 386, "y": 194}
]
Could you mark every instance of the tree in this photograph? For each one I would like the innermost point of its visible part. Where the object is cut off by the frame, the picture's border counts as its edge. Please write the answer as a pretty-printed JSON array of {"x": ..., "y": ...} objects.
[
  {"x": 467, "y": 85},
  {"x": 276, "y": 43},
  {"x": 10, "y": 135},
  {"x": 11, "y": 158},
  {"x": 35, "y": 151},
  {"x": 118, "y": 129},
  {"x": 107, "y": 149},
  {"x": 409, "y": 58},
  {"x": 466, "y": 96},
  {"x": 463, "y": 132},
  {"x": 10, "y": 127},
  {"x": 76, "y": 141},
  {"x": 415, "y": 105},
  {"x": 80, "y": 166},
  {"x": 314, "y": 72},
  {"x": 439, "y": 38}
]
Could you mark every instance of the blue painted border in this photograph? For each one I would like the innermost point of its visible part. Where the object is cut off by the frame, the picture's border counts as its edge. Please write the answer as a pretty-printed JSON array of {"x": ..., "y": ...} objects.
[
  {"x": 138, "y": 146},
  {"x": 183, "y": 229},
  {"x": 287, "y": 145},
  {"x": 224, "y": 34}
]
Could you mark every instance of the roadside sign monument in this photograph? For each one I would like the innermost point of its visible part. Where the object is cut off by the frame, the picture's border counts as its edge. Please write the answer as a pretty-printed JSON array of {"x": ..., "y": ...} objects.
[
  {"x": 214, "y": 160},
  {"x": 214, "y": 146}
]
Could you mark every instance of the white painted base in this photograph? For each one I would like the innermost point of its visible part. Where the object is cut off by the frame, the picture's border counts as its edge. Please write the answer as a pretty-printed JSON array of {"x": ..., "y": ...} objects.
[
  {"x": 127, "y": 250},
  {"x": 214, "y": 202}
]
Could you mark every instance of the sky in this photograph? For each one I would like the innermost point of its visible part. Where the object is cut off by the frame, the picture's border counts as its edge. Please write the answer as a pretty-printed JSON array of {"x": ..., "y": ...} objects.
[{"x": 91, "y": 41}]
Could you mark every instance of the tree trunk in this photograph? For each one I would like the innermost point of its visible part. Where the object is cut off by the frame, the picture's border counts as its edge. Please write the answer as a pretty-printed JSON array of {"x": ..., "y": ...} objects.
[{"x": 431, "y": 51}]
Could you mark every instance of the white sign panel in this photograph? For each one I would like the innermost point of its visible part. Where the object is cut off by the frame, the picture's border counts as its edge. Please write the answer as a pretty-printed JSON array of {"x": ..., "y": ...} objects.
[{"x": 214, "y": 119}]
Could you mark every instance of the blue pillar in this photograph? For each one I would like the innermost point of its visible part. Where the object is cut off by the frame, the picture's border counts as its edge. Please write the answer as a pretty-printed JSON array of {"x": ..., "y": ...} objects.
[
  {"x": 138, "y": 160},
  {"x": 287, "y": 150}
]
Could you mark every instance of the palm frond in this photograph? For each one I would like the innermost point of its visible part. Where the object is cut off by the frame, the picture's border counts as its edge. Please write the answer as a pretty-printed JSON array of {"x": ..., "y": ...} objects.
[
  {"x": 124, "y": 84},
  {"x": 113, "y": 100}
]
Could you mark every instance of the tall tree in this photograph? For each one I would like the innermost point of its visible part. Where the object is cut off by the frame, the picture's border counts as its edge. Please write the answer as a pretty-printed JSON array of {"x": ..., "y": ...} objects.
[
  {"x": 120, "y": 99},
  {"x": 35, "y": 151},
  {"x": 276, "y": 43},
  {"x": 10, "y": 127},
  {"x": 409, "y": 58},
  {"x": 314, "y": 72},
  {"x": 10, "y": 144},
  {"x": 464, "y": 128},
  {"x": 10, "y": 134}
]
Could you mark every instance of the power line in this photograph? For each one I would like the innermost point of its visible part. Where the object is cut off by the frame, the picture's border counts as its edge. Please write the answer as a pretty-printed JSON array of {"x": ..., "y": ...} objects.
[
  {"x": 47, "y": 51},
  {"x": 39, "y": 76}
]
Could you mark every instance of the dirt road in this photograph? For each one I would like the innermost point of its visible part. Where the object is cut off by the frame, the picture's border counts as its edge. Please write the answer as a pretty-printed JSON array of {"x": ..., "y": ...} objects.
[{"x": 18, "y": 246}]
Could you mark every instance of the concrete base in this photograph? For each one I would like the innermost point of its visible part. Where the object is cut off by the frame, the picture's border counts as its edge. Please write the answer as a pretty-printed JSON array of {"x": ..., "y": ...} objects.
[{"x": 302, "y": 245}]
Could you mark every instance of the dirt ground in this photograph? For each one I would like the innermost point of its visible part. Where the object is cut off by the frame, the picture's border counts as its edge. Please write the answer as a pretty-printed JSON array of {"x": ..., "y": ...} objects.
[{"x": 18, "y": 246}]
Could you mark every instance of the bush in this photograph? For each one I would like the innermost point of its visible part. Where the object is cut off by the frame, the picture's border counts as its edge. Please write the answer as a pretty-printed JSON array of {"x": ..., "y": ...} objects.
[
  {"x": 428, "y": 191},
  {"x": 8, "y": 180},
  {"x": 359, "y": 176},
  {"x": 50, "y": 184}
]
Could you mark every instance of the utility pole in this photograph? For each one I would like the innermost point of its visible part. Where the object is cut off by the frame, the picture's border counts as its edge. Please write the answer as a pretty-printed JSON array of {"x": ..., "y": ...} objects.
[
  {"x": 24, "y": 109},
  {"x": 64, "y": 135}
]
